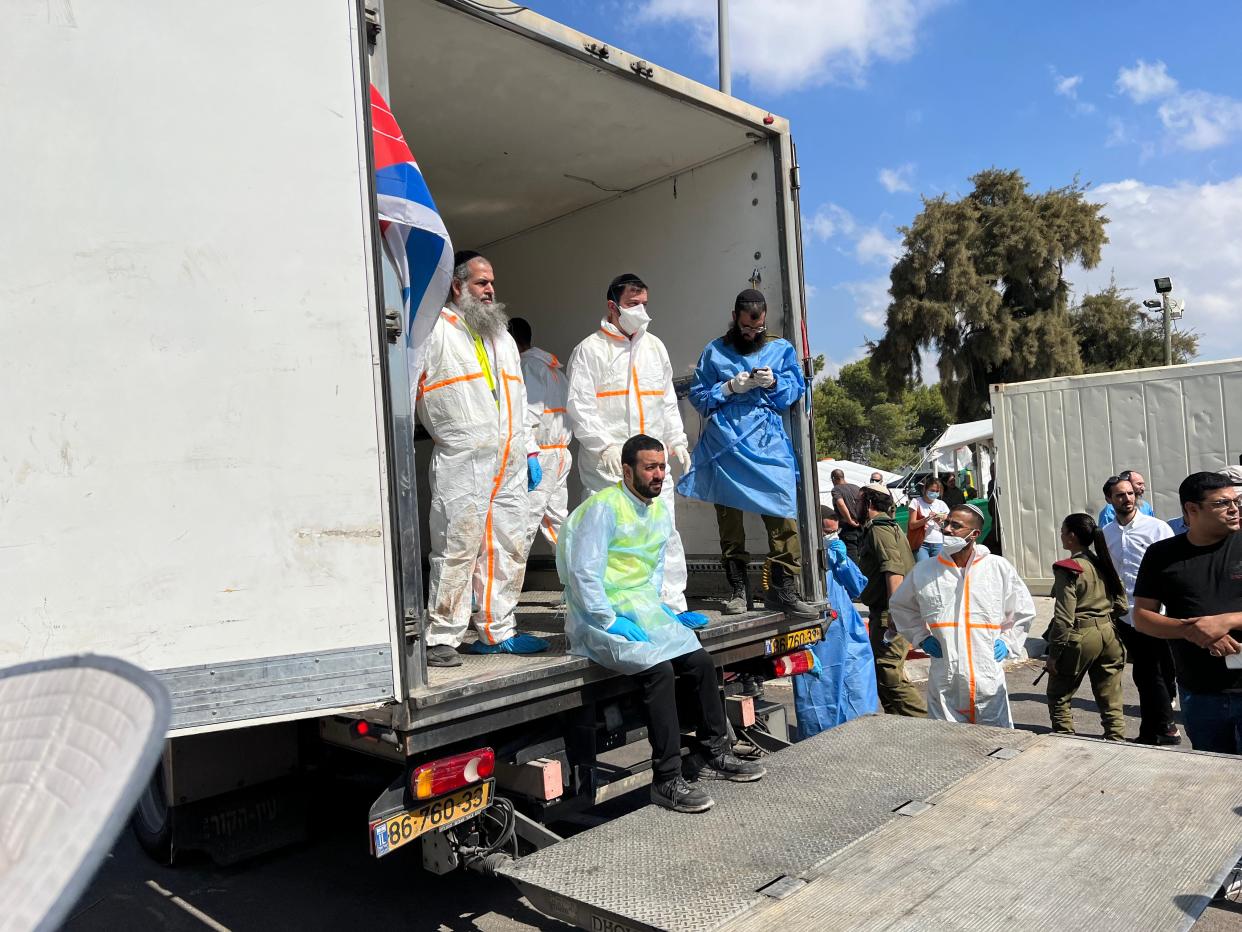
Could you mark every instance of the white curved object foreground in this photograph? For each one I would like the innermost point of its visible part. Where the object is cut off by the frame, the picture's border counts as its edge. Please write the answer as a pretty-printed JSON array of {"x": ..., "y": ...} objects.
[{"x": 79, "y": 739}]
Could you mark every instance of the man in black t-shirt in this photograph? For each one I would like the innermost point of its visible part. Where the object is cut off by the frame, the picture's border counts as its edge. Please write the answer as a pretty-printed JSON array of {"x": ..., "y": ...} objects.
[
  {"x": 1197, "y": 577},
  {"x": 845, "y": 500}
]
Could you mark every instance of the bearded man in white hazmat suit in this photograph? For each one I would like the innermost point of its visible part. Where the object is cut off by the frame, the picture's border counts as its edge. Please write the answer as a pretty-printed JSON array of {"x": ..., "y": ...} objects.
[
  {"x": 546, "y": 390},
  {"x": 620, "y": 385},
  {"x": 969, "y": 610},
  {"x": 471, "y": 398}
]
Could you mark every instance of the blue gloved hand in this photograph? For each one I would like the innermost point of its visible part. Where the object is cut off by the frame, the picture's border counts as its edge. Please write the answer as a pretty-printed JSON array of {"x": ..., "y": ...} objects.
[
  {"x": 931, "y": 647},
  {"x": 1000, "y": 650},
  {"x": 516, "y": 644},
  {"x": 693, "y": 620},
  {"x": 627, "y": 628},
  {"x": 534, "y": 472}
]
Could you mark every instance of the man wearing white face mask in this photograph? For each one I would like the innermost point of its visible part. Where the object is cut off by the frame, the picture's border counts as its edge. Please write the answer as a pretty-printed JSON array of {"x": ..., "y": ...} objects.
[
  {"x": 621, "y": 384},
  {"x": 968, "y": 610}
]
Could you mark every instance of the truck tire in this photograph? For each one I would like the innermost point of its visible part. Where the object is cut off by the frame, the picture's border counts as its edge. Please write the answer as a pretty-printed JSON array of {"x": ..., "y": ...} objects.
[{"x": 152, "y": 821}]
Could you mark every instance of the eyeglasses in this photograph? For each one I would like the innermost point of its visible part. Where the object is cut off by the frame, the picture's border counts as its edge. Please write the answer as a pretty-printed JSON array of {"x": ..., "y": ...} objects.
[
  {"x": 952, "y": 525},
  {"x": 1224, "y": 504}
]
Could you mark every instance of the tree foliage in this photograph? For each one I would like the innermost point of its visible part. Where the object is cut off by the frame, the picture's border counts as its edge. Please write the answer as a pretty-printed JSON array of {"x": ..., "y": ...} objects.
[
  {"x": 856, "y": 419},
  {"x": 980, "y": 280},
  {"x": 1113, "y": 333}
]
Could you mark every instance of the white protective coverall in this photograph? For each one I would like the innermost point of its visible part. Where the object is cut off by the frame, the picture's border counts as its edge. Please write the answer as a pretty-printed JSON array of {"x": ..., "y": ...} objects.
[
  {"x": 619, "y": 387},
  {"x": 546, "y": 389},
  {"x": 479, "y": 504},
  {"x": 966, "y": 610}
]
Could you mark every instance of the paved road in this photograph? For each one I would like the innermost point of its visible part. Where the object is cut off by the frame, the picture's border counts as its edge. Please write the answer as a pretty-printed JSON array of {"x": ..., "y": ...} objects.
[{"x": 332, "y": 883}]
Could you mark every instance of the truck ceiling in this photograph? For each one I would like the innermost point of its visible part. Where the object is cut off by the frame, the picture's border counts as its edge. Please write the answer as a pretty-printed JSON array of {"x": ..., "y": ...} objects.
[{"x": 515, "y": 100}]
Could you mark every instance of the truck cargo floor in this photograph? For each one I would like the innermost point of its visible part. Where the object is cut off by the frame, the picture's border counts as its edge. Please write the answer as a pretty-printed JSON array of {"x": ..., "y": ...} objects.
[
  {"x": 539, "y": 614},
  {"x": 1049, "y": 833}
]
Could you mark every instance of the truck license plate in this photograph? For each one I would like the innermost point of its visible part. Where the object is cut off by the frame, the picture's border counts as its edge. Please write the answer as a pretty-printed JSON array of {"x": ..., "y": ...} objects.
[
  {"x": 390, "y": 834},
  {"x": 792, "y": 640}
]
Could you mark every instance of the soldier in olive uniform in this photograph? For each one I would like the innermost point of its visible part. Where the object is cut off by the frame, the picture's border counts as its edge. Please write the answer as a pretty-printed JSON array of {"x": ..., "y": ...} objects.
[
  {"x": 885, "y": 559},
  {"x": 1082, "y": 640}
]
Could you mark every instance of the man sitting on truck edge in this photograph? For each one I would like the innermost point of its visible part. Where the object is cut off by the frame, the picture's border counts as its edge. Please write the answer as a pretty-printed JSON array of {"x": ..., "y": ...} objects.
[
  {"x": 610, "y": 558},
  {"x": 471, "y": 398},
  {"x": 1197, "y": 577},
  {"x": 546, "y": 388},
  {"x": 621, "y": 384},
  {"x": 744, "y": 460},
  {"x": 886, "y": 560}
]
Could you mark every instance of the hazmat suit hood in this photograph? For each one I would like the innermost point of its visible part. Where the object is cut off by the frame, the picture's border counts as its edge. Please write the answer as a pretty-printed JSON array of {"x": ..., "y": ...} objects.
[{"x": 543, "y": 356}]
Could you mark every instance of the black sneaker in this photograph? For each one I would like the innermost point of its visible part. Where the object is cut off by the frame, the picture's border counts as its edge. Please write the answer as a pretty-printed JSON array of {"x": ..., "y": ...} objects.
[
  {"x": 680, "y": 796},
  {"x": 1170, "y": 738},
  {"x": 441, "y": 655},
  {"x": 728, "y": 767}
]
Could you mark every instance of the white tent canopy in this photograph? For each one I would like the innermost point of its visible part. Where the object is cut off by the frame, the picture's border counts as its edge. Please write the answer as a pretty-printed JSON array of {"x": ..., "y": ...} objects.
[
  {"x": 857, "y": 473},
  {"x": 953, "y": 449},
  {"x": 961, "y": 435}
]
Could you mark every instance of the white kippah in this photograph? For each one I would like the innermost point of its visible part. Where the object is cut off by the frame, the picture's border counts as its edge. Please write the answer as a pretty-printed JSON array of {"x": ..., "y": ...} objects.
[{"x": 975, "y": 508}]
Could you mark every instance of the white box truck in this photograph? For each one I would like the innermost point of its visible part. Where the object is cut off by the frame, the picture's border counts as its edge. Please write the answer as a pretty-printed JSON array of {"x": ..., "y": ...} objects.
[
  {"x": 207, "y": 460},
  {"x": 1058, "y": 440}
]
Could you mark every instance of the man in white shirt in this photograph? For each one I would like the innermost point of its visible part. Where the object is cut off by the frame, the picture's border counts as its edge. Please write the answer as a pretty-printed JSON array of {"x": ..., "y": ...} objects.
[{"x": 1128, "y": 538}]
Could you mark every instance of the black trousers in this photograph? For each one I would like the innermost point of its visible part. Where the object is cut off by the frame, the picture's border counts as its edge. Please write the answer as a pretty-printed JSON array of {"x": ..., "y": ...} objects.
[
  {"x": 660, "y": 700},
  {"x": 1154, "y": 679},
  {"x": 852, "y": 538}
]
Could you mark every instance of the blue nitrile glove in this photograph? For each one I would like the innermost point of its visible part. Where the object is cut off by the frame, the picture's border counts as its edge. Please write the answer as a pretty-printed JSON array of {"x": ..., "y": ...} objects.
[
  {"x": 931, "y": 647},
  {"x": 517, "y": 644},
  {"x": 534, "y": 472},
  {"x": 1000, "y": 650},
  {"x": 627, "y": 628},
  {"x": 837, "y": 548},
  {"x": 693, "y": 620}
]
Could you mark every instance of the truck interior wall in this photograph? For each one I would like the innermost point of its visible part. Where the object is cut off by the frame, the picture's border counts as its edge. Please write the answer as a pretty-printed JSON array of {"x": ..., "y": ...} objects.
[
  {"x": 191, "y": 470},
  {"x": 694, "y": 239},
  {"x": 1060, "y": 439}
]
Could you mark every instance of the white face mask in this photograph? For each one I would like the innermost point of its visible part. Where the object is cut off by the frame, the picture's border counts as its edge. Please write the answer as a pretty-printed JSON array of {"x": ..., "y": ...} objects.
[
  {"x": 832, "y": 535},
  {"x": 633, "y": 318},
  {"x": 954, "y": 545}
]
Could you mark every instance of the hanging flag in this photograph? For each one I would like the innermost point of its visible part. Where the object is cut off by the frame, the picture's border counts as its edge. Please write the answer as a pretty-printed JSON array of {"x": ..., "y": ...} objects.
[{"x": 413, "y": 234}]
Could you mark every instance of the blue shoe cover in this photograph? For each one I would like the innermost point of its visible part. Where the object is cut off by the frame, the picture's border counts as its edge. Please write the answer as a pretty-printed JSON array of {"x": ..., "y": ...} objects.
[
  {"x": 518, "y": 644},
  {"x": 693, "y": 620}
]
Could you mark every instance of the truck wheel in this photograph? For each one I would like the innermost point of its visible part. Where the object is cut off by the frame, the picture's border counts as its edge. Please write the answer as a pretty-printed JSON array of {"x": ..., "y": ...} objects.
[{"x": 152, "y": 820}]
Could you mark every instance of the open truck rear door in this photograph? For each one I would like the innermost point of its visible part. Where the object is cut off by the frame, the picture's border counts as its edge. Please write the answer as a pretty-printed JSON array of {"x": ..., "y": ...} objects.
[{"x": 193, "y": 472}]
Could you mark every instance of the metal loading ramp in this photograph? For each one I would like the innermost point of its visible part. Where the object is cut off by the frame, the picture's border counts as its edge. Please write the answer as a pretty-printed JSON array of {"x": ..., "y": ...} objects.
[{"x": 1024, "y": 832}]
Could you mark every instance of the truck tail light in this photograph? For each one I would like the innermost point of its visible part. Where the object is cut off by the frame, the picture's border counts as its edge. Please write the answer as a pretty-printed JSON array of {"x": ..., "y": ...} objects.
[
  {"x": 798, "y": 662},
  {"x": 447, "y": 774}
]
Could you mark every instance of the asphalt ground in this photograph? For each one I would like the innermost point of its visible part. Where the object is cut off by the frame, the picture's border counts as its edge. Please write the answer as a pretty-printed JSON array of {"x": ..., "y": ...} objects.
[{"x": 331, "y": 882}]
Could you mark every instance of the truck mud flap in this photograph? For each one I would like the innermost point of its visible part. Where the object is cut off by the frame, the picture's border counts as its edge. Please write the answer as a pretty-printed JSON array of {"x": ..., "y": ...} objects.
[{"x": 945, "y": 813}]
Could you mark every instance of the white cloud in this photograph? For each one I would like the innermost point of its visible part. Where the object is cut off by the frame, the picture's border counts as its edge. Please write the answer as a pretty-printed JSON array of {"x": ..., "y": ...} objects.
[
  {"x": 832, "y": 220},
  {"x": 1066, "y": 86},
  {"x": 1193, "y": 119},
  {"x": 783, "y": 45},
  {"x": 1187, "y": 232},
  {"x": 871, "y": 299},
  {"x": 1199, "y": 120},
  {"x": 1146, "y": 82},
  {"x": 873, "y": 246},
  {"x": 897, "y": 179}
]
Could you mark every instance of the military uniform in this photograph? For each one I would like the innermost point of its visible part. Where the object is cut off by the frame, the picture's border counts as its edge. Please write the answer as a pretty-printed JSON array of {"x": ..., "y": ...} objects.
[
  {"x": 1083, "y": 641},
  {"x": 884, "y": 550}
]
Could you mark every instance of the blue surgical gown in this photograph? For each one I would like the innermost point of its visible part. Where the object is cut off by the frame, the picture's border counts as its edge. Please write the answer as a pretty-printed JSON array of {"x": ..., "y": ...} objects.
[
  {"x": 744, "y": 458},
  {"x": 846, "y": 686}
]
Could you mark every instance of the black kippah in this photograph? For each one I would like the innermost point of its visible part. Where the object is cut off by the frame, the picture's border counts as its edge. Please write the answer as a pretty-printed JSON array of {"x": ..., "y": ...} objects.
[
  {"x": 749, "y": 296},
  {"x": 463, "y": 256}
]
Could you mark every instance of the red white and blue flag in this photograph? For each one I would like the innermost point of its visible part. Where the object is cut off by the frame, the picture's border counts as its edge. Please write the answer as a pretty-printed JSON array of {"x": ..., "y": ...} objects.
[{"x": 414, "y": 236}]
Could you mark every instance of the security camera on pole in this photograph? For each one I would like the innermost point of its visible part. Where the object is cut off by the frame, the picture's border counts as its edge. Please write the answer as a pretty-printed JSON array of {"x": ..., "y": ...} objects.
[{"x": 1172, "y": 309}]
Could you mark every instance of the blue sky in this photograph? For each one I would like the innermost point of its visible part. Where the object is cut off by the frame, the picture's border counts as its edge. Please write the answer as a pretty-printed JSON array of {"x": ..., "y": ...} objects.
[{"x": 893, "y": 99}]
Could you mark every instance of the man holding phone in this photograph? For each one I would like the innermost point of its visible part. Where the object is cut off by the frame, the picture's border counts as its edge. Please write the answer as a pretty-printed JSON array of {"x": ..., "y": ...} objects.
[
  {"x": 1197, "y": 577},
  {"x": 744, "y": 383}
]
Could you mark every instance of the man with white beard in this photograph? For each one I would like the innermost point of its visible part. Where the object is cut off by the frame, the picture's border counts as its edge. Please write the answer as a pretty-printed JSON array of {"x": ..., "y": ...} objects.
[{"x": 472, "y": 400}]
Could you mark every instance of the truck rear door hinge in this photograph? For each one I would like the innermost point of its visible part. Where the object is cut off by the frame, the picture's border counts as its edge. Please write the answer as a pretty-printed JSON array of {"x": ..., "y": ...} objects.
[
  {"x": 392, "y": 324},
  {"x": 413, "y": 624},
  {"x": 795, "y": 178},
  {"x": 371, "y": 13},
  {"x": 599, "y": 50},
  {"x": 642, "y": 69}
]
